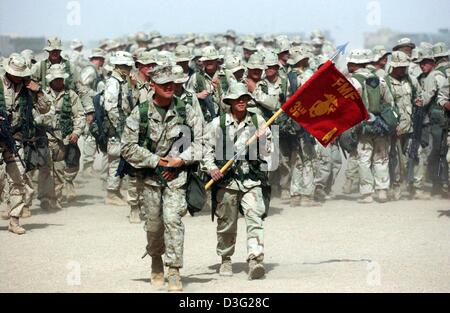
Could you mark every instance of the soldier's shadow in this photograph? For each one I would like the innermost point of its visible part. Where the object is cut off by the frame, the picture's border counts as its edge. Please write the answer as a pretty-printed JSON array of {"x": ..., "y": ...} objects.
[
  {"x": 241, "y": 267},
  {"x": 444, "y": 213},
  {"x": 31, "y": 227}
]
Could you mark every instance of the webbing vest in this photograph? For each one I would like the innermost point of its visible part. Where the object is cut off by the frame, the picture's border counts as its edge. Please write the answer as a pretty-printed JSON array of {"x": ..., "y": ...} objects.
[
  {"x": 371, "y": 92},
  {"x": 413, "y": 88},
  {"x": 144, "y": 139},
  {"x": 43, "y": 73},
  {"x": 25, "y": 111},
  {"x": 66, "y": 116},
  {"x": 255, "y": 172},
  {"x": 113, "y": 132}
]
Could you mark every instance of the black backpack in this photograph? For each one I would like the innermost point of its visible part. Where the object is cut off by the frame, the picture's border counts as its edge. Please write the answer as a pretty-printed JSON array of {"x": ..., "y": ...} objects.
[{"x": 100, "y": 124}]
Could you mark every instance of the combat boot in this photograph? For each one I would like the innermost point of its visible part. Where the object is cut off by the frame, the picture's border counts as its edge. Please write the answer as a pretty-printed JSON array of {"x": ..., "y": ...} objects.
[
  {"x": 71, "y": 194},
  {"x": 135, "y": 217},
  {"x": 174, "y": 280},
  {"x": 320, "y": 195},
  {"x": 285, "y": 194},
  {"x": 113, "y": 199},
  {"x": 348, "y": 187},
  {"x": 157, "y": 275},
  {"x": 366, "y": 199},
  {"x": 296, "y": 201},
  {"x": 14, "y": 226},
  {"x": 382, "y": 196},
  {"x": 5, "y": 215},
  {"x": 309, "y": 202},
  {"x": 256, "y": 269},
  {"x": 397, "y": 193},
  {"x": 45, "y": 205},
  {"x": 26, "y": 213},
  {"x": 226, "y": 268},
  {"x": 421, "y": 195}
]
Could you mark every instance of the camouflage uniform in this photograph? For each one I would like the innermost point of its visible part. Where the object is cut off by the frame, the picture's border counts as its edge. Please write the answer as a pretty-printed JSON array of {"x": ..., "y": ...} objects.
[
  {"x": 372, "y": 150},
  {"x": 405, "y": 93},
  {"x": 117, "y": 106},
  {"x": 63, "y": 176},
  {"x": 15, "y": 65},
  {"x": 239, "y": 193},
  {"x": 91, "y": 82},
  {"x": 164, "y": 205}
]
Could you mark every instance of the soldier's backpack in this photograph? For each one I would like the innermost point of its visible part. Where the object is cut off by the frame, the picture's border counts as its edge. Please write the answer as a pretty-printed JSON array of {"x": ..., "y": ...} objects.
[
  {"x": 100, "y": 124},
  {"x": 373, "y": 102}
]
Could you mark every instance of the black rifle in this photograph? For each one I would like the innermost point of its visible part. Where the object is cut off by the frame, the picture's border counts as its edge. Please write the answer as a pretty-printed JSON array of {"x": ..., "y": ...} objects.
[
  {"x": 207, "y": 104},
  {"x": 7, "y": 138},
  {"x": 416, "y": 140}
]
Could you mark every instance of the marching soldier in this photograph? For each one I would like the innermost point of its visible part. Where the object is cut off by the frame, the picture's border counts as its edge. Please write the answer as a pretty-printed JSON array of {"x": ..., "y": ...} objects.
[
  {"x": 148, "y": 146},
  {"x": 16, "y": 103},
  {"x": 241, "y": 189},
  {"x": 118, "y": 105},
  {"x": 54, "y": 49},
  {"x": 65, "y": 123},
  {"x": 92, "y": 82}
]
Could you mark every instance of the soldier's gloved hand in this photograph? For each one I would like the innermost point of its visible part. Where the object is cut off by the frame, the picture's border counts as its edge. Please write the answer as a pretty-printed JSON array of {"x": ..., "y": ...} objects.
[
  {"x": 216, "y": 174},
  {"x": 73, "y": 138}
]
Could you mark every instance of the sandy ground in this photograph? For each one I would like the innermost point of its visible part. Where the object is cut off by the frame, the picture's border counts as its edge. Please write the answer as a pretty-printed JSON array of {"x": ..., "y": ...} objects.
[{"x": 341, "y": 247}]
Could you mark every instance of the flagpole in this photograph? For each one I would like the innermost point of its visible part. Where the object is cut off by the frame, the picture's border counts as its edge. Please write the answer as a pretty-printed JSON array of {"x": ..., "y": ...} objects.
[{"x": 226, "y": 167}]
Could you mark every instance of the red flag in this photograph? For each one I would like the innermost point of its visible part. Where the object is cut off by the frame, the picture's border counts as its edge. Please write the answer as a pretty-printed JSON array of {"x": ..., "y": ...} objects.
[{"x": 326, "y": 105}]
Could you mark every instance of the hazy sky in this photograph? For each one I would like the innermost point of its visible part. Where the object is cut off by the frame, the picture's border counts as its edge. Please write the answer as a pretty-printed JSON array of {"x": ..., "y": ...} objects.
[{"x": 347, "y": 20}]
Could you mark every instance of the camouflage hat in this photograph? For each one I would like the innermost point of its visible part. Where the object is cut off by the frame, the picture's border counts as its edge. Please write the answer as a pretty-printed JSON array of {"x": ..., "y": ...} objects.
[
  {"x": 271, "y": 59},
  {"x": 404, "y": 42},
  {"x": 256, "y": 61},
  {"x": 154, "y": 34},
  {"x": 171, "y": 40},
  {"x": 440, "y": 50},
  {"x": 360, "y": 56},
  {"x": 233, "y": 64},
  {"x": 75, "y": 44},
  {"x": 425, "y": 53},
  {"x": 189, "y": 37},
  {"x": 297, "y": 40},
  {"x": 180, "y": 76},
  {"x": 53, "y": 43},
  {"x": 282, "y": 46},
  {"x": 165, "y": 58},
  {"x": 317, "y": 41},
  {"x": 226, "y": 51},
  {"x": 28, "y": 55},
  {"x": 97, "y": 53},
  {"x": 145, "y": 58},
  {"x": 122, "y": 58},
  {"x": 399, "y": 59},
  {"x": 112, "y": 44},
  {"x": 162, "y": 74},
  {"x": 267, "y": 38},
  {"x": 298, "y": 54},
  {"x": 210, "y": 54},
  {"x": 56, "y": 71},
  {"x": 141, "y": 37},
  {"x": 182, "y": 54},
  {"x": 156, "y": 43},
  {"x": 379, "y": 52},
  {"x": 249, "y": 45},
  {"x": 317, "y": 33},
  {"x": 16, "y": 65},
  {"x": 230, "y": 33},
  {"x": 236, "y": 91}
]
